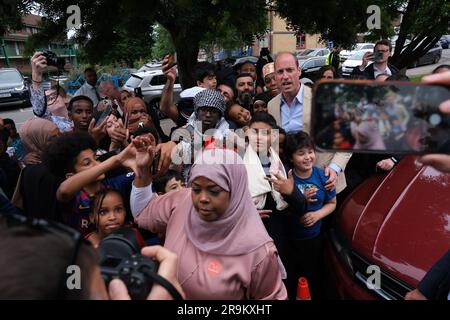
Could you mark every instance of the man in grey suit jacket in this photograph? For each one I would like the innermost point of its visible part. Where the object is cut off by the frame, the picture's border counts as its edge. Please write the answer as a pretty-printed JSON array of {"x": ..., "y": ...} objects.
[{"x": 292, "y": 111}]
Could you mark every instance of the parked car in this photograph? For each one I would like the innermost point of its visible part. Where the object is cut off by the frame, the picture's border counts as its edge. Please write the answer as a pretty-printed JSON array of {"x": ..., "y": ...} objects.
[
  {"x": 312, "y": 53},
  {"x": 353, "y": 61},
  {"x": 398, "y": 222},
  {"x": 14, "y": 90},
  {"x": 243, "y": 59},
  {"x": 445, "y": 41},
  {"x": 310, "y": 68},
  {"x": 152, "y": 84},
  {"x": 345, "y": 54},
  {"x": 150, "y": 66},
  {"x": 431, "y": 57}
]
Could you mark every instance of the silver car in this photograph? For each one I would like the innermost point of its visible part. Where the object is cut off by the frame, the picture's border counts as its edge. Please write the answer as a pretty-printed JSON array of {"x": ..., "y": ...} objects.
[{"x": 152, "y": 84}]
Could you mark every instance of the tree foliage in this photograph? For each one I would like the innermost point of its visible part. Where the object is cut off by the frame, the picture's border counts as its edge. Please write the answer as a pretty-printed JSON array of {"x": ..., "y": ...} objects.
[
  {"x": 423, "y": 21},
  {"x": 122, "y": 30}
]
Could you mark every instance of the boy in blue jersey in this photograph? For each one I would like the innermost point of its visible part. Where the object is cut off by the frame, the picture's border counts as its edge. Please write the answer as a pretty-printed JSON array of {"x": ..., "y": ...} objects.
[
  {"x": 73, "y": 156},
  {"x": 305, "y": 238}
]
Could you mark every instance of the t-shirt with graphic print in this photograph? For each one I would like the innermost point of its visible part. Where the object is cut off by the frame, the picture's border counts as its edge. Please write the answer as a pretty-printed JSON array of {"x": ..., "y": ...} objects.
[{"x": 317, "y": 180}]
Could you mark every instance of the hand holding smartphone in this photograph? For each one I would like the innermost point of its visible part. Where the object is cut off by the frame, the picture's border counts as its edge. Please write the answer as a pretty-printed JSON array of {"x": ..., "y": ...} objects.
[
  {"x": 171, "y": 60},
  {"x": 104, "y": 115},
  {"x": 380, "y": 117}
]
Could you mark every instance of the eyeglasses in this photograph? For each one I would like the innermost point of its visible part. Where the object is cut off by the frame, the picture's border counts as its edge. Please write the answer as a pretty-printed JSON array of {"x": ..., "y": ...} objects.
[
  {"x": 51, "y": 227},
  {"x": 382, "y": 51}
]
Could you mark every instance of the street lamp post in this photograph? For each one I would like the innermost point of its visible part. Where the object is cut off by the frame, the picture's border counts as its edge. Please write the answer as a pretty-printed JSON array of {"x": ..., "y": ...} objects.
[{"x": 5, "y": 53}]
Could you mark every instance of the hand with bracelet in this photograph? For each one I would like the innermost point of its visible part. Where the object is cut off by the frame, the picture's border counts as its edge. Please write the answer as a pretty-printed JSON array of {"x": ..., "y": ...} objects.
[{"x": 38, "y": 65}]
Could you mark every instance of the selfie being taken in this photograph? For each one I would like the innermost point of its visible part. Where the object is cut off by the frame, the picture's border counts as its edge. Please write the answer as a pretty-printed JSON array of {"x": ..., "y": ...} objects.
[{"x": 225, "y": 150}]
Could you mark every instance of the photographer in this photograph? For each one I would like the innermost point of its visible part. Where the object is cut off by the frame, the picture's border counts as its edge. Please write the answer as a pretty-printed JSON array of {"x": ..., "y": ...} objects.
[
  {"x": 53, "y": 249},
  {"x": 380, "y": 57},
  {"x": 39, "y": 101}
]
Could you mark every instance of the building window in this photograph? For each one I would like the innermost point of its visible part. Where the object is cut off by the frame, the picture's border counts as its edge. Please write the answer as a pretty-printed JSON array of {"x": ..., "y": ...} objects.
[{"x": 300, "y": 41}]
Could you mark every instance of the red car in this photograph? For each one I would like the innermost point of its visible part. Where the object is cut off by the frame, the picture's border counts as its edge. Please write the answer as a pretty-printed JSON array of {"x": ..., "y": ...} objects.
[{"x": 398, "y": 221}]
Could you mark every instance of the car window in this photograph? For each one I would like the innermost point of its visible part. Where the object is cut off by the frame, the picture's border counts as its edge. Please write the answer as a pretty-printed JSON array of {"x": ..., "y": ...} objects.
[
  {"x": 133, "y": 82},
  {"x": 319, "y": 63},
  {"x": 10, "y": 76},
  {"x": 308, "y": 65},
  {"x": 357, "y": 56},
  {"x": 369, "y": 46},
  {"x": 158, "y": 80},
  {"x": 306, "y": 52}
]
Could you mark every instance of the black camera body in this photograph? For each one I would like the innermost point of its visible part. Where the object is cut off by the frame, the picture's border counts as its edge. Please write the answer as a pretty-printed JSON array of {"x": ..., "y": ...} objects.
[
  {"x": 120, "y": 258},
  {"x": 133, "y": 271},
  {"x": 53, "y": 59}
]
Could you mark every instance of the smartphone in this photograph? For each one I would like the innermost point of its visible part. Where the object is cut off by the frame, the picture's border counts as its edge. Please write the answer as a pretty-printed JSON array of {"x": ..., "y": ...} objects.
[
  {"x": 138, "y": 92},
  {"x": 104, "y": 115},
  {"x": 380, "y": 117},
  {"x": 125, "y": 120},
  {"x": 155, "y": 164},
  {"x": 377, "y": 56},
  {"x": 172, "y": 60}
]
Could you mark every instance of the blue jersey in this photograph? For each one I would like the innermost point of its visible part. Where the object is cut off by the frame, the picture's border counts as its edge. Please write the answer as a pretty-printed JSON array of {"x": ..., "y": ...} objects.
[
  {"x": 77, "y": 211},
  {"x": 316, "y": 180}
]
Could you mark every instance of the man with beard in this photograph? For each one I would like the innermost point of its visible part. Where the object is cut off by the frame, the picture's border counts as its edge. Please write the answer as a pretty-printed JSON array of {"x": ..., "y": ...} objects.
[{"x": 245, "y": 88}]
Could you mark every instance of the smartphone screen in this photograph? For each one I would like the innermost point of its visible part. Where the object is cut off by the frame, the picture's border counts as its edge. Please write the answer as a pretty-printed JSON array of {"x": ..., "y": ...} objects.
[
  {"x": 377, "y": 55},
  {"x": 375, "y": 117},
  {"x": 155, "y": 165},
  {"x": 104, "y": 115},
  {"x": 172, "y": 60}
]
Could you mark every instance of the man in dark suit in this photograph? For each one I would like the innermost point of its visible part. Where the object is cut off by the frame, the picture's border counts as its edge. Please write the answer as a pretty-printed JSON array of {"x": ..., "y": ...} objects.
[{"x": 380, "y": 65}]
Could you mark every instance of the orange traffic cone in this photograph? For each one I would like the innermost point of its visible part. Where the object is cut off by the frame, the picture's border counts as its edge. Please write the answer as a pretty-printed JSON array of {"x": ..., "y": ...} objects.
[{"x": 303, "y": 289}]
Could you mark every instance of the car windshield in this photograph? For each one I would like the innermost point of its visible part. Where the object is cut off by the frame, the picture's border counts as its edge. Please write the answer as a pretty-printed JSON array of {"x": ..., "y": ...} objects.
[
  {"x": 10, "y": 77},
  {"x": 357, "y": 56},
  {"x": 133, "y": 82},
  {"x": 307, "y": 52}
]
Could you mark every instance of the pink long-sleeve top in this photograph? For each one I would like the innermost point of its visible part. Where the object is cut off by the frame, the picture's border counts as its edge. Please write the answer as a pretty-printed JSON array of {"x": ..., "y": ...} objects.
[{"x": 205, "y": 276}]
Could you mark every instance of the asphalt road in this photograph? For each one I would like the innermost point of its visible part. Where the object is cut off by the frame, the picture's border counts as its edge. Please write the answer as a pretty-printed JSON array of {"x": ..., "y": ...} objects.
[
  {"x": 445, "y": 59},
  {"x": 21, "y": 115}
]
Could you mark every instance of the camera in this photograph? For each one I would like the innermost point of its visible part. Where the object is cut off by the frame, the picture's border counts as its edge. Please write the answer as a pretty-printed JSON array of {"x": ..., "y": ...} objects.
[
  {"x": 120, "y": 258},
  {"x": 53, "y": 59}
]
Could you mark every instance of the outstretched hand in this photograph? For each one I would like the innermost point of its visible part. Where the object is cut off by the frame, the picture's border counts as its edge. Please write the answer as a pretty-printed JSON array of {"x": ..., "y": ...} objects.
[
  {"x": 281, "y": 184},
  {"x": 145, "y": 153}
]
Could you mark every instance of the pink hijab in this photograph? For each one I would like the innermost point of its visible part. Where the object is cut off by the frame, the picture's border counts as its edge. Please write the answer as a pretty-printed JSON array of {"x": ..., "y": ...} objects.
[
  {"x": 240, "y": 230},
  {"x": 35, "y": 135}
]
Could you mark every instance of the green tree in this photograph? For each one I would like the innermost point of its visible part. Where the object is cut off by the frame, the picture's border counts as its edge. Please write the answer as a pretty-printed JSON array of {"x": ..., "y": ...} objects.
[
  {"x": 424, "y": 21},
  {"x": 163, "y": 43},
  {"x": 106, "y": 22},
  {"x": 11, "y": 12}
]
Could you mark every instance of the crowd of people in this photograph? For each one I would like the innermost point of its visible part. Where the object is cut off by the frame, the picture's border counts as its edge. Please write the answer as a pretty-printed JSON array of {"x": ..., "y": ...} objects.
[{"x": 236, "y": 193}]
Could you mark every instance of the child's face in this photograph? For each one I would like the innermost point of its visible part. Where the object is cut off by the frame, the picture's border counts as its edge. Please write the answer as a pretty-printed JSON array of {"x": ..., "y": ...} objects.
[
  {"x": 338, "y": 138},
  {"x": 86, "y": 160},
  {"x": 111, "y": 215},
  {"x": 240, "y": 115},
  {"x": 209, "y": 82},
  {"x": 173, "y": 185},
  {"x": 304, "y": 159},
  {"x": 260, "y": 136}
]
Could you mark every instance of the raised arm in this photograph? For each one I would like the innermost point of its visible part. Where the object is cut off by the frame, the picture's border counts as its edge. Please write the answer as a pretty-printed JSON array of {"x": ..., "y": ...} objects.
[
  {"x": 166, "y": 104},
  {"x": 150, "y": 211},
  {"x": 68, "y": 189}
]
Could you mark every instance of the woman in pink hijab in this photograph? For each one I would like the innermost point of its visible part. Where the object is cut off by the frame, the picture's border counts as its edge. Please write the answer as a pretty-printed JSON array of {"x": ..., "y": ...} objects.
[
  {"x": 36, "y": 133},
  {"x": 224, "y": 251}
]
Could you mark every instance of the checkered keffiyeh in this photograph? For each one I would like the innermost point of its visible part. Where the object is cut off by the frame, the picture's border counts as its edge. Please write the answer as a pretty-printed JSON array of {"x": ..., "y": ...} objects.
[{"x": 209, "y": 98}]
